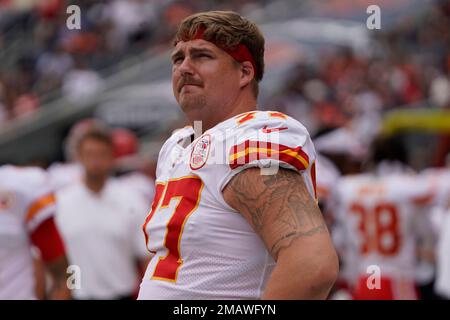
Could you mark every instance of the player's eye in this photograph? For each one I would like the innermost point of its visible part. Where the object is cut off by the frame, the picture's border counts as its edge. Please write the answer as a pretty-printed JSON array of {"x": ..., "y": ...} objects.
[
  {"x": 177, "y": 60},
  {"x": 202, "y": 55}
]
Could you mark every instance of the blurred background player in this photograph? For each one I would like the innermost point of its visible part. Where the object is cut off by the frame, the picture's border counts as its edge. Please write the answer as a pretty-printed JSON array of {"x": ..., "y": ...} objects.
[
  {"x": 340, "y": 153},
  {"x": 62, "y": 174},
  {"x": 442, "y": 284},
  {"x": 439, "y": 178},
  {"x": 382, "y": 214},
  {"x": 100, "y": 220},
  {"x": 27, "y": 208},
  {"x": 135, "y": 171}
]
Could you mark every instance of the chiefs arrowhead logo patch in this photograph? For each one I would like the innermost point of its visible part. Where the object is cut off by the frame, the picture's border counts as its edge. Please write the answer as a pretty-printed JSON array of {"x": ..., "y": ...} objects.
[{"x": 200, "y": 152}]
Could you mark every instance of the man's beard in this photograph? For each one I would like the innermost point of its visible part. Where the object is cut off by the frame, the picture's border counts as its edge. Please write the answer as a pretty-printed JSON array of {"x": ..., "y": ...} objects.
[{"x": 193, "y": 104}]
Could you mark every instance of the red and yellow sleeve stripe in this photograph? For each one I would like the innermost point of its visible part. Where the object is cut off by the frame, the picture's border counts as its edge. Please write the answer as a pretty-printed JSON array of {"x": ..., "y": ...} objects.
[
  {"x": 249, "y": 151},
  {"x": 39, "y": 205}
]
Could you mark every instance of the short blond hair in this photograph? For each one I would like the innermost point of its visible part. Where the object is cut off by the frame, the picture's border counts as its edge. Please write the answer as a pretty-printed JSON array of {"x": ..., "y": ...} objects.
[{"x": 227, "y": 29}]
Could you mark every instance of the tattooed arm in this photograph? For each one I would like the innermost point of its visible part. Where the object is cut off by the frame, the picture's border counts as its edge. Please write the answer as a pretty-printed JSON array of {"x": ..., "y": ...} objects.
[{"x": 282, "y": 212}]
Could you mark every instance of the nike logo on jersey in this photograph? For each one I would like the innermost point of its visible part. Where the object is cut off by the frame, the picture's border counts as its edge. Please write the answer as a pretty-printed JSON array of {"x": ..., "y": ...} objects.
[{"x": 269, "y": 130}]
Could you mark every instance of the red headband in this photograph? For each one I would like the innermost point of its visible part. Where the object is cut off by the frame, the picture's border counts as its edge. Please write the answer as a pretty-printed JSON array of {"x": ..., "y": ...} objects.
[{"x": 240, "y": 53}]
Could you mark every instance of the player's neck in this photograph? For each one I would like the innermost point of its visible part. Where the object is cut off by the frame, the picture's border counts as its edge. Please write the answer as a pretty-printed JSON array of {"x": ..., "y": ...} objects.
[
  {"x": 95, "y": 184},
  {"x": 209, "y": 120}
]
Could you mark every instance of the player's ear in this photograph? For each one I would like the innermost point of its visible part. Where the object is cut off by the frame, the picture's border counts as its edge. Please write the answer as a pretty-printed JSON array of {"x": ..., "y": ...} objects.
[{"x": 247, "y": 73}]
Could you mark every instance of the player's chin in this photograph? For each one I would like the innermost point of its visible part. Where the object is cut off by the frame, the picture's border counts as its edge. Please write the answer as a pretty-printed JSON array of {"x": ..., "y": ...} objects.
[{"x": 189, "y": 103}]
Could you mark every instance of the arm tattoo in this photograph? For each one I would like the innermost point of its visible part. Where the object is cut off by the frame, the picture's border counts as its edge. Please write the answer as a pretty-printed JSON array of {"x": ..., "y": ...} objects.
[{"x": 279, "y": 206}]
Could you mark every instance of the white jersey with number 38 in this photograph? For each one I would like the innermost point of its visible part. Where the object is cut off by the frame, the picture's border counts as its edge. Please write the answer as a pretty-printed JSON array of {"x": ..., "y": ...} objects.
[
  {"x": 203, "y": 248},
  {"x": 381, "y": 216}
]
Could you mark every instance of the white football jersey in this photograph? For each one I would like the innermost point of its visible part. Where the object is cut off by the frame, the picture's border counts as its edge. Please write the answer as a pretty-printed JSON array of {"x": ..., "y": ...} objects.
[
  {"x": 62, "y": 175},
  {"x": 440, "y": 179},
  {"x": 381, "y": 216},
  {"x": 25, "y": 202},
  {"x": 204, "y": 249},
  {"x": 139, "y": 183},
  {"x": 327, "y": 176}
]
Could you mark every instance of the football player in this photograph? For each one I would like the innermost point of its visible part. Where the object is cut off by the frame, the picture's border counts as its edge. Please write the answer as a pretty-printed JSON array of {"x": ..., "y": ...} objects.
[
  {"x": 235, "y": 212},
  {"x": 27, "y": 207},
  {"x": 383, "y": 215}
]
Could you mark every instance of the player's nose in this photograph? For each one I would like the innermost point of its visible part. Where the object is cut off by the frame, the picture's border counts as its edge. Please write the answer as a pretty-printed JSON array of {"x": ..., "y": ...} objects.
[{"x": 186, "y": 67}]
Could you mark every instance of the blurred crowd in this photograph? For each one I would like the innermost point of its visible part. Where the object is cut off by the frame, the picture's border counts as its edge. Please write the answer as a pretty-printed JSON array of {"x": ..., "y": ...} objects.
[
  {"x": 41, "y": 57},
  {"x": 408, "y": 68}
]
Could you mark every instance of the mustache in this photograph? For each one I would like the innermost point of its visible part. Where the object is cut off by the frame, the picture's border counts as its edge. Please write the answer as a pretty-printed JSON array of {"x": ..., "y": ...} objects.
[{"x": 188, "y": 80}]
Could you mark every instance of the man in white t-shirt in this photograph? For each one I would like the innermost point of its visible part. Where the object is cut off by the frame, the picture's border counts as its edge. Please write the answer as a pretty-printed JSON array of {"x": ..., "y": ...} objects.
[
  {"x": 100, "y": 220},
  {"x": 132, "y": 169}
]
